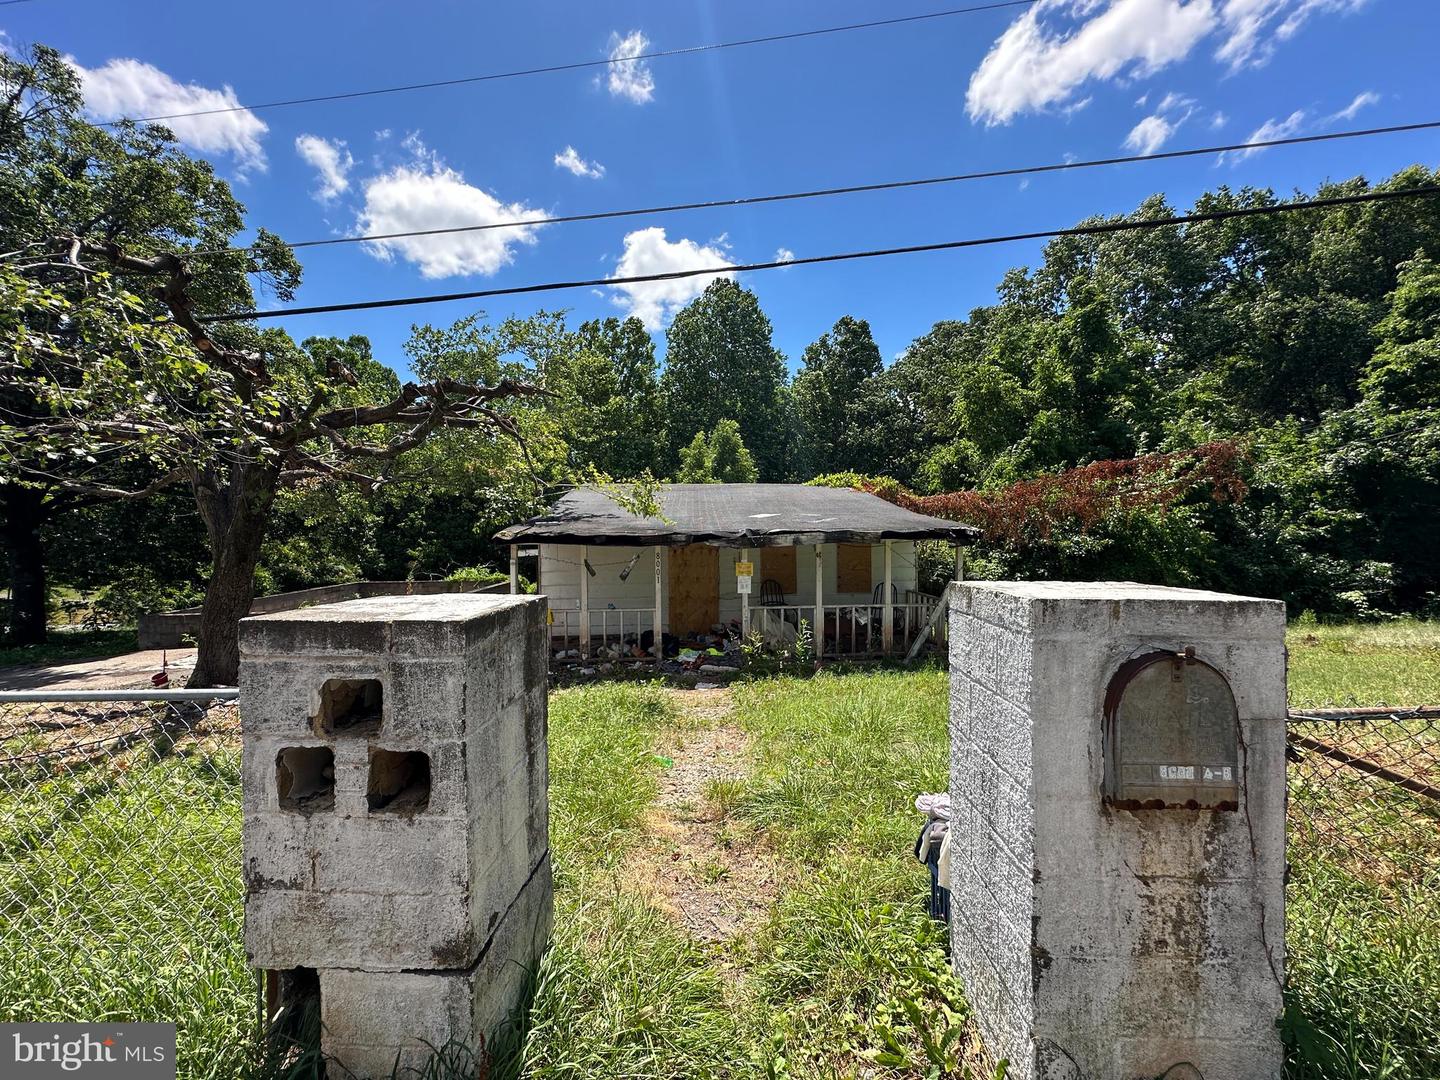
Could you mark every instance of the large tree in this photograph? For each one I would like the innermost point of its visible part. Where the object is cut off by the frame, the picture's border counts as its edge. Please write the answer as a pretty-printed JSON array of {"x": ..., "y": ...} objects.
[
  {"x": 98, "y": 381},
  {"x": 64, "y": 182},
  {"x": 830, "y": 410},
  {"x": 721, "y": 364}
]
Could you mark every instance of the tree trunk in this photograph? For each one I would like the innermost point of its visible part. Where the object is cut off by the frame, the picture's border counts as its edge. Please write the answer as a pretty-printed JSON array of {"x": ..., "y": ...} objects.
[
  {"x": 24, "y": 510},
  {"x": 235, "y": 517}
]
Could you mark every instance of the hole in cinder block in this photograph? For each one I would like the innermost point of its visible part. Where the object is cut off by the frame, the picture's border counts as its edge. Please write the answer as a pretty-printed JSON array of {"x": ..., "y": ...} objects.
[
  {"x": 399, "y": 781},
  {"x": 292, "y": 1012},
  {"x": 349, "y": 706},
  {"x": 305, "y": 778}
]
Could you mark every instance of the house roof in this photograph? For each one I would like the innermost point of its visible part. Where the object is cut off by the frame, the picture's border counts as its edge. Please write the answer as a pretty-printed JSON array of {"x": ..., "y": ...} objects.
[{"x": 735, "y": 515}]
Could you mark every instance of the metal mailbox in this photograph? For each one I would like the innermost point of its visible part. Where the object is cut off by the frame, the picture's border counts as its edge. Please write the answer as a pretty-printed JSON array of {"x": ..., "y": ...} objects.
[{"x": 1171, "y": 736}]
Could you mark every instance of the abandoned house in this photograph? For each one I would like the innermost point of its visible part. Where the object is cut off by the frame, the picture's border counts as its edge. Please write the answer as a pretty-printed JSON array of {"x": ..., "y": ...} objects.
[{"x": 724, "y": 562}]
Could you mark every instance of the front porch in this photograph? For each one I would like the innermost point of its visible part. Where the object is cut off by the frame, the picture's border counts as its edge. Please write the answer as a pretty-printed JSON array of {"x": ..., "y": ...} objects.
[
  {"x": 823, "y": 572},
  {"x": 826, "y": 600}
]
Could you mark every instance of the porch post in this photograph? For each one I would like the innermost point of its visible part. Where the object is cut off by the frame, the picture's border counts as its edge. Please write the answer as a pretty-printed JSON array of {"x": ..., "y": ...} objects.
[
  {"x": 659, "y": 651},
  {"x": 745, "y": 601},
  {"x": 514, "y": 569},
  {"x": 887, "y": 613},
  {"x": 584, "y": 607},
  {"x": 959, "y": 562},
  {"x": 819, "y": 628}
]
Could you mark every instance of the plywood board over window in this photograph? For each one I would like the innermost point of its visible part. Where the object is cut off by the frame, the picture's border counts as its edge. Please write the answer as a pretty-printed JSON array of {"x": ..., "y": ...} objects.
[
  {"x": 777, "y": 564},
  {"x": 694, "y": 588},
  {"x": 852, "y": 568}
]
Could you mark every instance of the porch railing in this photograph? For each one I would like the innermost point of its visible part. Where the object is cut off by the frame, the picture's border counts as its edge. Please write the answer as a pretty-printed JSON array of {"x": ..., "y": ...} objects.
[
  {"x": 612, "y": 631},
  {"x": 847, "y": 630}
]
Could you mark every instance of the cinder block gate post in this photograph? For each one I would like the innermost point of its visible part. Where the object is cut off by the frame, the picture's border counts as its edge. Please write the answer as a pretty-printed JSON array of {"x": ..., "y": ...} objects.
[
  {"x": 1117, "y": 852},
  {"x": 396, "y": 828}
]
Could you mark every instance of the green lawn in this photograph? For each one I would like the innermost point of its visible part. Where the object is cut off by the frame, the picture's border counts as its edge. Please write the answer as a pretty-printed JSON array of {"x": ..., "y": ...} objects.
[
  {"x": 1391, "y": 663},
  {"x": 842, "y": 975}
]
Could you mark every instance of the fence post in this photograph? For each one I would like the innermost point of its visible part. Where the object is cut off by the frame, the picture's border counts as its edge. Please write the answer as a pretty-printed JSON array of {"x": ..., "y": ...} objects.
[
  {"x": 396, "y": 832},
  {"x": 1117, "y": 849}
]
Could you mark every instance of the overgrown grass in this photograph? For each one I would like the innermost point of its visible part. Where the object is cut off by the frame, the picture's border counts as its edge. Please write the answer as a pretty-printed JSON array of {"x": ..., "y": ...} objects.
[
  {"x": 162, "y": 939},
  {"x": 1390, "y": 663},
  {"x": 846, "y": 975}
]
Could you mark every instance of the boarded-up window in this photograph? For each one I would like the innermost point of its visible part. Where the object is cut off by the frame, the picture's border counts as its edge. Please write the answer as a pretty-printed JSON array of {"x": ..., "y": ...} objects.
[
  {"x": 778, "y": 564},
  {"x": 852, "y": 568}
]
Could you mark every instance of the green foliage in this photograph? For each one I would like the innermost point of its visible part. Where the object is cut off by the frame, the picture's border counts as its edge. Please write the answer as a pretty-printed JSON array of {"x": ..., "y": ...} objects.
[
  {"x": 830, "y": 415},
  {"x": 122, "y": 602},
  {"x": 717, "y": 458},
  {"x": 720, "y": 363}
]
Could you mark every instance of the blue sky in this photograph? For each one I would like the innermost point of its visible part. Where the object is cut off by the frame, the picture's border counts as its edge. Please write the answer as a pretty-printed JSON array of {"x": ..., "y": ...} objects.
[{"x": 1088, "y": 78}]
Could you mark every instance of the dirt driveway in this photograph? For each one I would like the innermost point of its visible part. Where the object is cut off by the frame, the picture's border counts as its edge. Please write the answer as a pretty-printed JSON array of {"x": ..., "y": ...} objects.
[{"x": 130, "y": 671}]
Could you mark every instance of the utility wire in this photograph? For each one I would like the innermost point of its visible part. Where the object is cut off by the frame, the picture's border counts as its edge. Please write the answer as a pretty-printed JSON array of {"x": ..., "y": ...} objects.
[
  {"x": 1097, "y": 229},
  {"x": 581, "y": 65},
  {"x": 818, "y": 193}
]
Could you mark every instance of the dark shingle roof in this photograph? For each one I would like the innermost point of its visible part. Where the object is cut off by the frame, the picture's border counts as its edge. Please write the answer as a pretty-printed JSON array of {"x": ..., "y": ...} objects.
[{"x": 736, "y": 515}]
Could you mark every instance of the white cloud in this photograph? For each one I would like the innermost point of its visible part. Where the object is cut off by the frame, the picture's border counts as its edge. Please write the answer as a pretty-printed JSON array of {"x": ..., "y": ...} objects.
[
  {"x": 131, "y": 88},
  {"x": 1362, "y": 100},
  {"x": 1252, "y": 28},
  {"x": 784, "y": 254},
  {"x": 570, "y": 159},
  {"x": 648, "y": 252},
  {"x": 630, "y": 79},
  {"x": 428, "y": 194},
  {"x": 1047, "y": 56},
  {"x": 330, "y": 160},
  {"x": 1150, "y": 134},
  {"x": 1271, "y": 129},
  {"x": 1218, "y": 121},
  {"x": 1033, "y": 66}
]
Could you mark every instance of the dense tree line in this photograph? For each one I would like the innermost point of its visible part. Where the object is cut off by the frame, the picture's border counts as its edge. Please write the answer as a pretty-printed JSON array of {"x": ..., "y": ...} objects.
[{"x": 1308, "y": 342}]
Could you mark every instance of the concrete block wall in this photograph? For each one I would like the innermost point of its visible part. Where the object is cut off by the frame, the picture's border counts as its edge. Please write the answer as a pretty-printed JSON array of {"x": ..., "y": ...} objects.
[
  {"x": 1093, "y": 941},
  {"x": 377, "y": 868}
]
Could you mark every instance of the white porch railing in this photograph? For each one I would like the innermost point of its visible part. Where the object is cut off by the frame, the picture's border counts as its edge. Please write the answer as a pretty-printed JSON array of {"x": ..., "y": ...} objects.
[
  {"x": 849, "y": 630},
  {"x": 846, "y": 630},
  {"x": 611, "y": 629}
]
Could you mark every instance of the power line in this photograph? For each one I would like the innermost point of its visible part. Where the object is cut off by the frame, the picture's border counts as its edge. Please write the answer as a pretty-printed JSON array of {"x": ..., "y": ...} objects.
[
  {"x": 581, "y": 65},
  {"x": 1097, "y": 229},
  {"x": 889, "y": 185}
]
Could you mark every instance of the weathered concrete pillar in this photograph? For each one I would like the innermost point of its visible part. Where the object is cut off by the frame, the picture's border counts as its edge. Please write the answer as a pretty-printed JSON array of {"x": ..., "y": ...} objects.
[
  {"x": 1117, "y": 852},
  {"x": 396, "y": 819}
]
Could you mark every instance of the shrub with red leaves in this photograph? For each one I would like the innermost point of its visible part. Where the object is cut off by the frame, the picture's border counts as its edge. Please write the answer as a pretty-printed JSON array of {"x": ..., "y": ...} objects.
[{"x": 1030, "y": 510}]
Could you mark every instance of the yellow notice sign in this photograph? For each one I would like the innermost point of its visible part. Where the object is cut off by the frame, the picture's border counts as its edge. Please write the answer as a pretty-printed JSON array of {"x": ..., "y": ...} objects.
[{"x": 744, "y": 569}]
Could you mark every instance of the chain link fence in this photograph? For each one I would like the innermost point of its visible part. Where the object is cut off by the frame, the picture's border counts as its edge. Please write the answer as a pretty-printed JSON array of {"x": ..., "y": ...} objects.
[
  {"x": 1365, "y": 791},
  {"x": 120, "y": 867}
]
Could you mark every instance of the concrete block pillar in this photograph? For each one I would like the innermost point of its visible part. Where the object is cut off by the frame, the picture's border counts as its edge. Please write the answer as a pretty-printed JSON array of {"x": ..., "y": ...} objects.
[
  {"x": 396, "y": 833},
  {"x": 1117, "y": 852}
]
